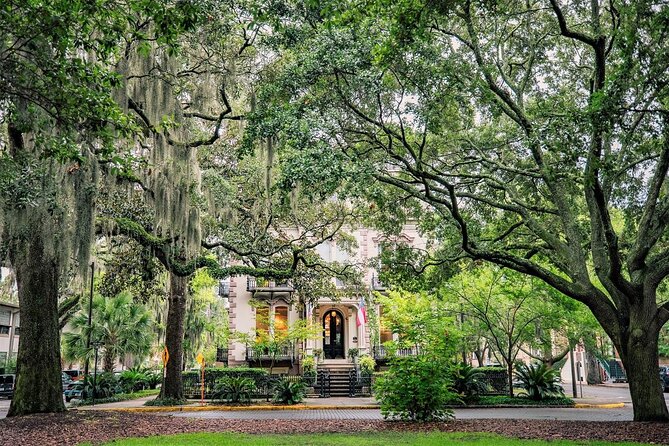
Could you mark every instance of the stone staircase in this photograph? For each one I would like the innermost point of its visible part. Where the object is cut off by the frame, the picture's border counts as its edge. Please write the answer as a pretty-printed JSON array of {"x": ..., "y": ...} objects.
[{"x": 339, "y": 371}]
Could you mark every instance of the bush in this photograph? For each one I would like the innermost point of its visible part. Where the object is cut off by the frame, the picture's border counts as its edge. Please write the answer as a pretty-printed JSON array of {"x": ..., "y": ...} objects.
[
  {"x": 367, "y": 364},
  {"x": 416, "y": 389},
  {"x": 116, "y": 398},
  {"x": 467, "y": 381},
  {"x": 133, "y": 381},
  {"x": 308, "y": 366},
  {"x": 539, "y": 381},
  {"x": 213, "y": 376},
  {"x": 106, "y": 385},
  {"x": 166, "y": 402},
  {"x": 234, "y": 389},
  {"x": 289, "y": 392}
]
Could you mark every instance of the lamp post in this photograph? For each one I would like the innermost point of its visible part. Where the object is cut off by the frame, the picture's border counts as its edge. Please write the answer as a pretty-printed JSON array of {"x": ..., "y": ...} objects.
[
  {"x": 96, "y": 347},
  {"x": 90, "y": 317}
]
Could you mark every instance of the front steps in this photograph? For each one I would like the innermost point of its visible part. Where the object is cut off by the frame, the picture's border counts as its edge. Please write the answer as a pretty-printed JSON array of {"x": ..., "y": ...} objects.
[{"x": 339, "y": 370}]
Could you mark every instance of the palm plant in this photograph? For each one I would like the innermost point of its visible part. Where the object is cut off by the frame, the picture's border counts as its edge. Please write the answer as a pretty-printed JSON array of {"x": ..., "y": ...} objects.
[
  {"x": 539, "y": 381},
  {"x": 467, "y": 381},
  {"x": 234, "y": 389},
  {"x": 119, "y": 324},
  {"x": 289, "y": 392}
]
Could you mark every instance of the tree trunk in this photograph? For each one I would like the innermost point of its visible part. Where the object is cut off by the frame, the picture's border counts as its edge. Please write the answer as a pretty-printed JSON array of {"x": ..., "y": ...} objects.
[
  {"x": 594, "y": 376},
  {"x": 640, "y": 358},
  {"x": 509, "y": 371},
  {"x": 174, "y": 336},
  {"x": 38, "y": 383}
]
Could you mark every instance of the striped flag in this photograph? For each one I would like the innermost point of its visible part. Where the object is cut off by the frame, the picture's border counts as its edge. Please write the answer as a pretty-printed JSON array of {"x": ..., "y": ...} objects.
[{"x": 361, "y": 317}]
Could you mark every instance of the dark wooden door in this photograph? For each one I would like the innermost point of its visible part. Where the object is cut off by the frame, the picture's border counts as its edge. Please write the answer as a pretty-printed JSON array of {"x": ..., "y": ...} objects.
[{"x": 333, "y": 335}]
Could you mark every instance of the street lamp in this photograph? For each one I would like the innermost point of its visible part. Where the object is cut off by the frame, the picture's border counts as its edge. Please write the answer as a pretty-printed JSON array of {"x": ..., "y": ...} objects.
[{"x": 96, "y": 346}]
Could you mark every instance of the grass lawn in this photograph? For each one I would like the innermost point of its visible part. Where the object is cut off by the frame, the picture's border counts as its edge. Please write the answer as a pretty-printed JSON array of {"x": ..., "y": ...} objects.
[{"x": 363, "y": 439}]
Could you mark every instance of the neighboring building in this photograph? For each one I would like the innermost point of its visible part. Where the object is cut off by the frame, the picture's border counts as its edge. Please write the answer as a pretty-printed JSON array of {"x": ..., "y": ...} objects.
[
  {"x": 336, "y": 318},
  {"x": 10, "y": 322}
]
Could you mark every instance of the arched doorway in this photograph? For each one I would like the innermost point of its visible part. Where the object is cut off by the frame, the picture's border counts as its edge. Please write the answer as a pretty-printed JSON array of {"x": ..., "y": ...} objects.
[{"x": 333, "y": 335}]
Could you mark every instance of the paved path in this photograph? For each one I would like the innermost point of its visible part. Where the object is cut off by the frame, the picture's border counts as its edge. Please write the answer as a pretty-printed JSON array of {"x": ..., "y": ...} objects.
[{"x": 623, "y": 414}]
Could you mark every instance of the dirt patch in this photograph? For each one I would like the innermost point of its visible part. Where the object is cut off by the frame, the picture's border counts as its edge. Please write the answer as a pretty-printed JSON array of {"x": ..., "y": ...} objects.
[{"x": 74, "y": 427}]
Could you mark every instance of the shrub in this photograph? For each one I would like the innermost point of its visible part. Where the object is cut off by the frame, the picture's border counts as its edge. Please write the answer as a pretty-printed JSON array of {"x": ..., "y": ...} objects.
[
  {"x": 166, "y": 402},
  {"x": 416, "y": 389},
  {"x": 309, "y": 366},
  {"x": 106, "y": 385},
  {"x": 367, "y": 364},
  {"x": 353, "y": 353},
  {"x": 467, "y": 381},
  {"x": 289, "y": 392},
  {"x": 539, "y": 381},
  {"x": 133, "y": 381},
  {"x": 234, "y": 389}
]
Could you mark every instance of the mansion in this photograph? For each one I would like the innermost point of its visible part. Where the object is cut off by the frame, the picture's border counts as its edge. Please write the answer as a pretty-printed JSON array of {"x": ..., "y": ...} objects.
[{"x": 340, "y": 320}]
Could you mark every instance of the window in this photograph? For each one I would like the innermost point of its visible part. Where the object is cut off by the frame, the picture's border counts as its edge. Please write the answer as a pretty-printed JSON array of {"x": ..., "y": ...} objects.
[
  {"x": 16, "y": 331},
  {"x": 5, "y": 316},
  {"x": 385, "y": 334},
  {"x": 4, "y": 329},
  {"x": 281, "y": 319},
  {"x": 262, "y": 321}
]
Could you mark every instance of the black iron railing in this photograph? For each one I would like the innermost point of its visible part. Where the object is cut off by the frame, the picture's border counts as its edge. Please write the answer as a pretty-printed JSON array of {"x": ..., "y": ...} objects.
[
  {"x": 381, "y": 353},
  {"x": 254, "y": 283},
  {"x": 285, "y": 353}
]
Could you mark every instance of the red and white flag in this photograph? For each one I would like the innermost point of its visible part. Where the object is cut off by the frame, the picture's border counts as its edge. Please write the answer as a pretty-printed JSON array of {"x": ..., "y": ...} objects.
[{"x": 361, "y": 317}]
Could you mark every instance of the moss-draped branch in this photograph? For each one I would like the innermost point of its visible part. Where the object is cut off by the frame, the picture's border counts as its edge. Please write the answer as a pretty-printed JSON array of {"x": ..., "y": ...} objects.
[{"x": 164, "y": 250}]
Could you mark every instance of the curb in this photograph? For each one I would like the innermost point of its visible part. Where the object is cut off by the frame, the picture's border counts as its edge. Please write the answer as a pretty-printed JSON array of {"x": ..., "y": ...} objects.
[{"x": 599, "y": 406}]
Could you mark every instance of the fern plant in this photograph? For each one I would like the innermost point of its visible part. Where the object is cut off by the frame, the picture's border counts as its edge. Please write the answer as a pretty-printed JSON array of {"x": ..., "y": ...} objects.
[
  {"x": 539, "y": 381},
  {"x": 467, "y": 381},
  {"x": 234, "y": 389},
  {"x": 289, "y": 392}
]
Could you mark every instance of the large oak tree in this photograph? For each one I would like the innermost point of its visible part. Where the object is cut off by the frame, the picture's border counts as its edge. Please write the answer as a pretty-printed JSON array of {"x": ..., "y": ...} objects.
[{"x": 535, "y": 134}]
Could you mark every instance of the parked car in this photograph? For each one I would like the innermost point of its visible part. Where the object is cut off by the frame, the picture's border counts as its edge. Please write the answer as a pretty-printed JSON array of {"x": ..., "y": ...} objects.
[
  {"x": 75, "y": 375},
  {"x": 7, "y": 385},
  {"x": 74, "y": 390},
  {"x": 664, "y": 377}
]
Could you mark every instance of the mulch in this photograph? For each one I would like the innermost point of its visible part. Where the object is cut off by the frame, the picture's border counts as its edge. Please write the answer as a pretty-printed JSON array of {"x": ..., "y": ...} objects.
[{"x": 74, "y": 427}]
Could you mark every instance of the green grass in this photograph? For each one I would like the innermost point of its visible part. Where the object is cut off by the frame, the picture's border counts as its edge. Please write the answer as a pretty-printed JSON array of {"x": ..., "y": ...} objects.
[{"x": 362, "y": 439}]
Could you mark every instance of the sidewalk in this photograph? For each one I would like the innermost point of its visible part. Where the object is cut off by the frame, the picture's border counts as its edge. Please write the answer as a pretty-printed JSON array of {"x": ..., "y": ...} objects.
[
  {"x": 333, "y": 403},
  {"x": 600, "y": 396}
]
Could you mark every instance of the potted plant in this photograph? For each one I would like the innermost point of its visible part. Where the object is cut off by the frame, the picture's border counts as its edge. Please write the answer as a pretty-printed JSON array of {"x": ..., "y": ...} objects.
[
  {"x": 353, "y": 354},
  {"x": 318, "y": 354}
]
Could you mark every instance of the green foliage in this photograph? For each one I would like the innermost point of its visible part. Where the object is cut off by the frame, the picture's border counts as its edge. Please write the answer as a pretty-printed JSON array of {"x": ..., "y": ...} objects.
[
  {"x": 367, "y": 364},
  {"x": 289, "y": 392},
  {"x": 420, "y": 320},
  {"x": 106, "y": 385},
  {"x": 353, "y": 353},
  {"x": 120, "y": 325},
  {"x": 415, "y": 389},
  {"x": 215, "y": 372},
  {"x": 467, "y": 381},
  {"x": 118, "y": 397},
  {"x": 166, "y": 402},
  {"x": 308, "y": 366},
  {"x": 234, "y": 389},
  {"x": 539, "y": 380},
  {"x": 132, "y": 381}
]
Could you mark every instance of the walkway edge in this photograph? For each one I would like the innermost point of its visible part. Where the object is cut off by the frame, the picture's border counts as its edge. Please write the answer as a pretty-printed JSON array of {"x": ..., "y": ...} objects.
[{"x": 599, "y": 406}]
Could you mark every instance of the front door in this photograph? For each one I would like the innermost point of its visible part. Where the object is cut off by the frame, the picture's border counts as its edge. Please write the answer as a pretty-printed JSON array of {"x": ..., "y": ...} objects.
[{"x": 333, "y": 335}]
